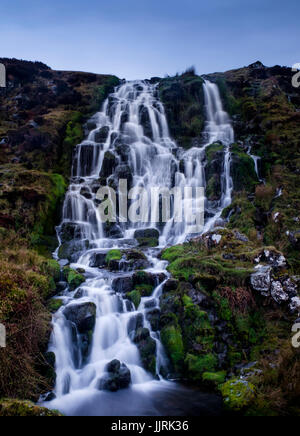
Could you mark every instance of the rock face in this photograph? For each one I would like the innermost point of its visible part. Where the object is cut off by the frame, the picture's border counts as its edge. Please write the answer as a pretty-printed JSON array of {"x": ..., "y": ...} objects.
[
  {"x": 82, "y": 315},
  {"x": 238, "y": 394},
  {"x": 147, "y": 237},
  {"x": 123, "y": 285},
  {"x": 261, "y": 280},
  {"x": 98, "y": 260},
  {"x": 282, "y": 290},
  {"x": 278, "y": 293},
  {"x": 118, "y": 377},
  {"x": 147, "y": 348}
]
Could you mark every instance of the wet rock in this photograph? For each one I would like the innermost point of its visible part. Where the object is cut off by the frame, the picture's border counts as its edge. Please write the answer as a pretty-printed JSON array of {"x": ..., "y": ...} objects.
[
  {"x": 123, "y": 285},
  {"x": 82, "y": 315},
  {"x": 113, "y": 230},
  {"x": 294, "y": 305},
  {"x": 85, "y": 192},
  {"x": 50, "y": 397},
  {"x": 102, "y": 134},
  {"x": 72, "y": 250},
  {"x": 153, "y": 316},
  {"x": 290, "y": 287},
  {"x": 124, "y": 172},
  {"x": 118, "y": 377},
  {"x": 261, "y": 280},
  {"x": 147, "y": 349},
  {"x": 278, "y": 293},
  {"x": 147, "y": 278},
  {"x": 147, "y": 237},
  {"x": 135, "y": 322},
  {"x": 91, "y": 125},
  {"x": 69, "y": 232},
  {"x": 170, "y": 285},
  {"x": 145, "y": 122},
  {"x": 98, "y": 260},
  {"x": 61, "y": 286},
  {"x": 79, "y": 294},
  {"x": 109, "y": 165},
  {"x": 150, "y": 304}
]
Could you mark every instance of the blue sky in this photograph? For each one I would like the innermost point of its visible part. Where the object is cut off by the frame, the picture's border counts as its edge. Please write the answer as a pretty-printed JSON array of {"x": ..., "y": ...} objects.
[{"x": 137, "y": 39}]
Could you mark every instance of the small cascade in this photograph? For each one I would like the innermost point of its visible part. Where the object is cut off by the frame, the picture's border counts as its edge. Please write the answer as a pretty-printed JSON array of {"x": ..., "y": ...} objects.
[{"x": 97, "y": 323}]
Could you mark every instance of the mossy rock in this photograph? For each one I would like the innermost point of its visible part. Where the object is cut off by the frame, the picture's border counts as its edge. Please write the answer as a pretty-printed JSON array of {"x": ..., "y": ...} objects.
[
  {"x": 214, "y": 378},
  {"x": 54, "y": 305},
  {"x": 52, "y": 268},
  {"x": 197, "y": 365},
  {"x": 10, "y": 407},
  {"x": 135, "y": 297},
  {"x": 144, "y": 290},
  {"x": 113, "y": 255},
  {"x": 147, "y": 348},
  {"x": 171, "y": 338},
  {"x": 243, "y": 171},
  {"x": 74, "y": 279},
  {"x": 238, "y": 394}
]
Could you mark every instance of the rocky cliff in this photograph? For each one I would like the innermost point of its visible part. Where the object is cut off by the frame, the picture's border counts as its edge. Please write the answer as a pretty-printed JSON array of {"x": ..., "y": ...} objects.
[{"x": 226, "y": 315}]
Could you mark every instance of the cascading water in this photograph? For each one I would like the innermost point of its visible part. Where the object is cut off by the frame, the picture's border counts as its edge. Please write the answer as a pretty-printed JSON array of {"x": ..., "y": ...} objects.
[{"x": 130, "y": 140}]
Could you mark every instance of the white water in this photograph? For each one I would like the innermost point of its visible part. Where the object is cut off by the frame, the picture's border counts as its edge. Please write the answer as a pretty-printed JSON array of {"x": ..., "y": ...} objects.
[
  {"x": 146, "y": 149},
  {"x": 256, "y": 160}
]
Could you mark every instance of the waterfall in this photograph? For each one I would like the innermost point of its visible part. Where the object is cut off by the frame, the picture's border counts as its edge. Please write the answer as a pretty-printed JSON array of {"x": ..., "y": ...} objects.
[{"x": 130, "y": 139}]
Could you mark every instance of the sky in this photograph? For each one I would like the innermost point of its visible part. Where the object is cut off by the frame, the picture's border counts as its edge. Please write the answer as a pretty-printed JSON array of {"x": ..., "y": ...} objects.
[{"x": 138, "y": 39}]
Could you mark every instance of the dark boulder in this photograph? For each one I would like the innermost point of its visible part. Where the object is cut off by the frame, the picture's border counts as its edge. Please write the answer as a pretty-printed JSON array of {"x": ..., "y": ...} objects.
[
  {"x": 109, "y": 165},
  {"x": 118, "y": 377},
  {"x": 69, "y": 232},
  {"x": 123, "y": 285},
  {"x": 153, "y": 316},
  {"x": 102, "y": 134},
  {"x": 82, "y": 315},
  {"x": 170, "y": 285},
  {"x": 147, "y": 237},
  {"x": 98, "y": 260},
  {"x": 135, "y": 322},
  {"x": 72, "y": 250},
  {"x": 147, "y": 349}
]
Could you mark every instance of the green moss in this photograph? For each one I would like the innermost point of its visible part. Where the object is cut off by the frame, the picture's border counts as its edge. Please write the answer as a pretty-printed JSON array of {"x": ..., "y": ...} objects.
[
  {"x": 243, "y": 170},
  {"x": 172, "y": 340},
  {"x": 212, "y": 150},
  {"x": 238, "y": 394},
  {"x": 113, "y": 255},
  {"x": 144, "y": 290},
  {"x": 224, "y": 310},
  {"x": 135, "y": 297},
  {"x": 214, "y": 378},
  {"x": 197, "y": 365},
  {"x": 148, "y": 242},
  {"x": 14, "y": 407},
  {"x": 52, "y": 268},
  {"x": 42, "y": 284},
  {"x": 74, "y": 131},
  {"x": 54, "y": 305},
  {"x": 172, "y": 253},
  {"x": 74, "y": 279}
]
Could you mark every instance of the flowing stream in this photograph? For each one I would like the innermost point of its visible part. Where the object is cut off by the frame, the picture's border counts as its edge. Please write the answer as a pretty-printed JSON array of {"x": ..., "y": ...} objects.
[{"x": 129, "y": 139}]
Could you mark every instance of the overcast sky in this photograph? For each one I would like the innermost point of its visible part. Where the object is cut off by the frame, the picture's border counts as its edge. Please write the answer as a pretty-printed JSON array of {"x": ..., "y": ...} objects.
[{"x": 137, "y": 39}]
